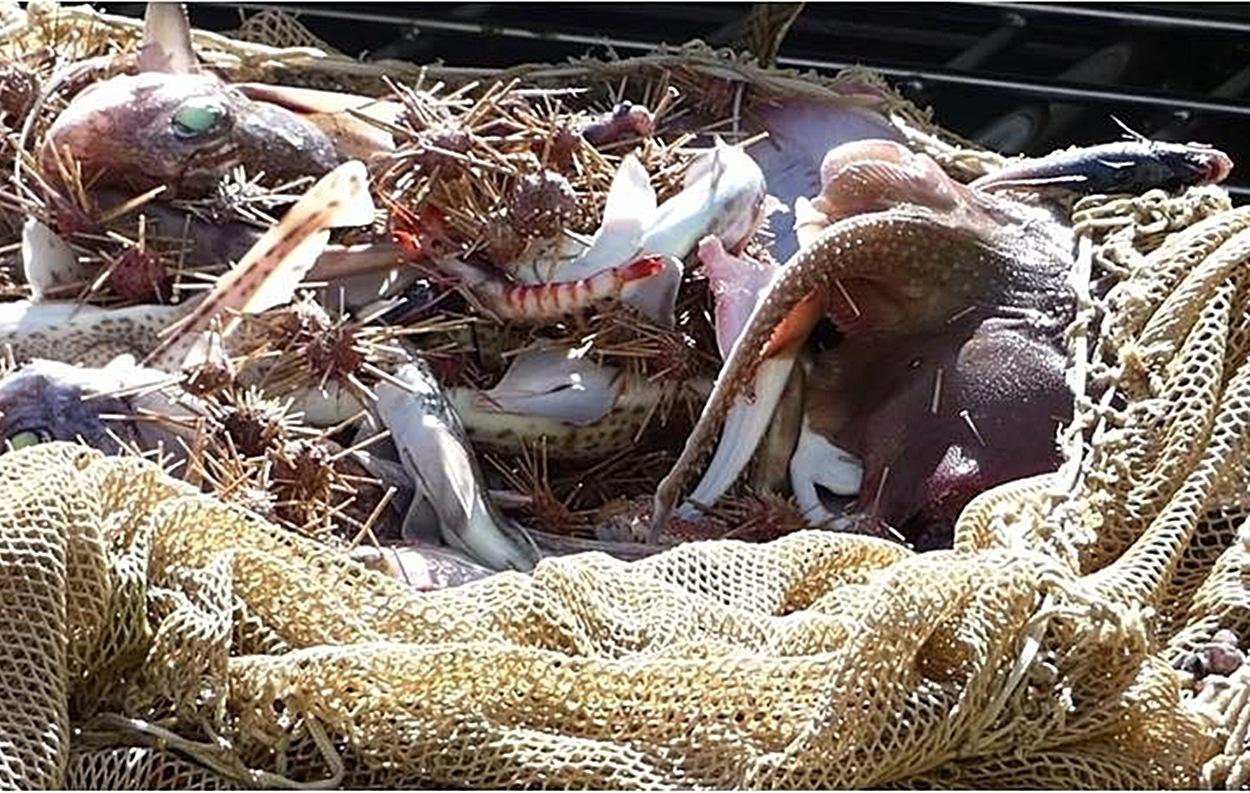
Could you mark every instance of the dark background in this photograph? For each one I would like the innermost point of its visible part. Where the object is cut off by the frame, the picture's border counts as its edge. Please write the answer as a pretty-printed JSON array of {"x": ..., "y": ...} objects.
[{"x": 1017, "y": 77}]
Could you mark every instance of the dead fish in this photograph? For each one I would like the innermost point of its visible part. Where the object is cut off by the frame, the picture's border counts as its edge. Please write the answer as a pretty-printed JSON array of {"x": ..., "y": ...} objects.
[
  {"x": 1133, "y": 166},
  {"x": 434, "y": 450},
  {"x": 46, "y": 401},
  {"x": 422, "y": 566},
  {"x": 176, "y": 125},
  {"x": 949, "y": 377},
  {"x": 169, "y": 337},
  {"x": 578, "y": 408}
]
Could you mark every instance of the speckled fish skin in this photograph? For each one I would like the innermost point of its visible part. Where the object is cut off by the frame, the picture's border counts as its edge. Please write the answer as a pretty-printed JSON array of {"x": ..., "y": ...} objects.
[
  {"x": 615, "y": 432},
  {"x": 83, "y": 334},
  {"x": 125, "y": 133},
  {"x": 977, "y": 287}
]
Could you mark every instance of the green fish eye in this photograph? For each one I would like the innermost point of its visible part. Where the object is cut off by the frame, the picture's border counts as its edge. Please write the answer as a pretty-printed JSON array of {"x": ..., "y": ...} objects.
[
  {"x": 20, "y": 440},
  {"x": 192, "y": 120}
]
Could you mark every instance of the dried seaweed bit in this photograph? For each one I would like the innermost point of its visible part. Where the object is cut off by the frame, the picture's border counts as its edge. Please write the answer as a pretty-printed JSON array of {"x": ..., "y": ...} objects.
[{"x": 542, "y": 204}]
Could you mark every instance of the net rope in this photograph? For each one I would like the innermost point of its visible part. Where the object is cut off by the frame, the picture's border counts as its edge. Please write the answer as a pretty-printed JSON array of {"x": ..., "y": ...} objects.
[{"x": 152, "y": 637}]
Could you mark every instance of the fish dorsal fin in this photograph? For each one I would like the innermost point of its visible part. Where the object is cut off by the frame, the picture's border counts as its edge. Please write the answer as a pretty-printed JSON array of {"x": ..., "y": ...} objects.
[
  {"x": 1129, "y": 132},
  {"x": 167, "y": 40},
  {"x": 270, "y": 272},
  {"x": 47, "y": 259}
]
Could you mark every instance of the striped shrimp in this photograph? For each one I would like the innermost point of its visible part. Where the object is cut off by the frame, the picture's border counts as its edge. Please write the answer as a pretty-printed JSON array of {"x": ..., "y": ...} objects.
[{"x": 549, "y": 302}]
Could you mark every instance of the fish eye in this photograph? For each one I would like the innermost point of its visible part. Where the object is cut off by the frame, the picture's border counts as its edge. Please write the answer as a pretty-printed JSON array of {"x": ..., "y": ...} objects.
[
  {"x": 20, "y": 440},
  {"x": 196, "y": 119}
]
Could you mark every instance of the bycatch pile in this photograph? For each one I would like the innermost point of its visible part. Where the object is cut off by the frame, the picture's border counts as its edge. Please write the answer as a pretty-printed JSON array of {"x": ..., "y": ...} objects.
[{"x": 468, "y": 328}]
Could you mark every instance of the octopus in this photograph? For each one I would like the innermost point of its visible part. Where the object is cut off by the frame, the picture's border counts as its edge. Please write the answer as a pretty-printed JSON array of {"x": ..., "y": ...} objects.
[{"x": 950, "y": 374}]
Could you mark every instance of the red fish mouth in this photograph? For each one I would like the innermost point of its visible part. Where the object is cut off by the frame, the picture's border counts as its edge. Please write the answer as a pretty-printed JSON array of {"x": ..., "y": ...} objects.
[{"x": 1219, "y": 166}]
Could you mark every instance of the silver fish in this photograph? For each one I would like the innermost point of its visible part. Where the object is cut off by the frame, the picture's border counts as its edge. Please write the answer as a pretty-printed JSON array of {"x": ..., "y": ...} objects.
[{"x": 433, "y": 448}]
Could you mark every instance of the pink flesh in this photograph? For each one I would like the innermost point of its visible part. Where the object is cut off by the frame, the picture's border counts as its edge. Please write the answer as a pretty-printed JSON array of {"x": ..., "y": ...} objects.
[
  {"x": 801, "y": 131},
  {"x": 736, "y": 284}
]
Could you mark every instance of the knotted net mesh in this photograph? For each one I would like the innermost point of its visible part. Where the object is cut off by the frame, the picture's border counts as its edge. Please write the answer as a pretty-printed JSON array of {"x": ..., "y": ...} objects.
[{"x": 153, "y": 637}]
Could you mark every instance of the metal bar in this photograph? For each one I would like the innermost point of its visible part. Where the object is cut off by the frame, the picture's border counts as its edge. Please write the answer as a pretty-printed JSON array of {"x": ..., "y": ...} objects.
[
  {"x": 1052, "y": 89},
  {"x": 989, "y": 46},
  {"x": 1110, "y": 13},
  {"x": 469, "y": 27}
]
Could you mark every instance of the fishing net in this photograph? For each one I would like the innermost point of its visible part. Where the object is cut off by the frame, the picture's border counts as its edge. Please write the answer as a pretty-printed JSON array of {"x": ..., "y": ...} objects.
[{"x": 155, "y": 637}]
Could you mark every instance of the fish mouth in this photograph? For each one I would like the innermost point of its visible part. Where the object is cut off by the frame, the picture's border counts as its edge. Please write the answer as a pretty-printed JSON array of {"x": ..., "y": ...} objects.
[{"x": 1218, "y": 166}]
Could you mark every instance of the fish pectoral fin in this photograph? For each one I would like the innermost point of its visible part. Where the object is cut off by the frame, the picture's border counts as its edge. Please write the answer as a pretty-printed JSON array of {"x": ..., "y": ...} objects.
[
  {"x": 744, "y": 428},
  {"x": 818, "y": 463},
  {"x": 47, "y": 259},
  {"x": 628, "y": 211}
]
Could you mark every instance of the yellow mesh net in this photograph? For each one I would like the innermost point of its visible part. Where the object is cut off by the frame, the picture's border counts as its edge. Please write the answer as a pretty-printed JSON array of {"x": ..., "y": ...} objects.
[{"x": 153, "y": 637}]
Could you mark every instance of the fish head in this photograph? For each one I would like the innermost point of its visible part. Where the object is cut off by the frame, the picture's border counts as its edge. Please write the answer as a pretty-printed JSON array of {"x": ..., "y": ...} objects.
[
  {"x": 46, "y": 401},
  {"x": 184, "y": 131},
  {"x": 1193, "y": 163}
]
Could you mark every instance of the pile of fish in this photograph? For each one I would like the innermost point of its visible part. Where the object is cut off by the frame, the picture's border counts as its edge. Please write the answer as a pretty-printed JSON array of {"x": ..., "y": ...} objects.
[{"x": 461, "y": 330}]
